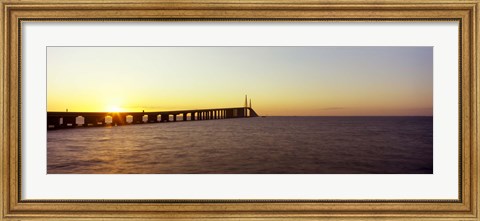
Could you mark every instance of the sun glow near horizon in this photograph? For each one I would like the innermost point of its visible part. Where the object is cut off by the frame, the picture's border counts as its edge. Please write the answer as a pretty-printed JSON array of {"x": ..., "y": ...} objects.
[
  {"x": 114, "y": 103},
  {"x": 115, "y": 109}
]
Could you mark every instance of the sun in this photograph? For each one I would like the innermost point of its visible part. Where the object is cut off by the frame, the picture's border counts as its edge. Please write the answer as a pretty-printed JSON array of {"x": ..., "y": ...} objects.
[
  {"x": 114, "y": 109},
  {"x": 114, "y": 104}
]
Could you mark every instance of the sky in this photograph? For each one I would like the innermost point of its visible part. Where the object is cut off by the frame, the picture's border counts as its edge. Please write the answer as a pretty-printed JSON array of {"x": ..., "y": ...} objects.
[{"x": 280, "y": 81}]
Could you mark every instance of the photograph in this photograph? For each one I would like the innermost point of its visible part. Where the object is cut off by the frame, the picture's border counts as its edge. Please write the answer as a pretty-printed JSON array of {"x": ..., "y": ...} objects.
[{"x": 239, "y": 110}]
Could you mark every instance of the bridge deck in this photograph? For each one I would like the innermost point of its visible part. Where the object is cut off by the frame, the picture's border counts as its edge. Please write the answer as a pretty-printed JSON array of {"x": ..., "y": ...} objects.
[{"x": 60, "y": 120}]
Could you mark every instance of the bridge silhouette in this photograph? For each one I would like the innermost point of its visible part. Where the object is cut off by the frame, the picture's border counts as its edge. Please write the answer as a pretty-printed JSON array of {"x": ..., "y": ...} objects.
[{"x": 63, "y": 120}]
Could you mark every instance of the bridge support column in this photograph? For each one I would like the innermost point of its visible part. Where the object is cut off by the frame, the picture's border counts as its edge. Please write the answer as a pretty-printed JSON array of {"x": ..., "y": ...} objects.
[
  {"x": 69, "y": 122},
  {"x": 100, "y": 121},
  {"x": 137, "y": 118},
  {"x": 240, "y": 112},
  {"x": 229, "y": 113},
  {"x": 164, "y": 118},
  {"x": 174, "y": 117},
  {"x": 192, "y": 116},
  {"x": 118, "y": 119},
  {"x": 53, "y": 122},
  {"x": 184, "y": 116},
  {"x": 152, "y": 118},
  {"x": 90, "y": 121}
]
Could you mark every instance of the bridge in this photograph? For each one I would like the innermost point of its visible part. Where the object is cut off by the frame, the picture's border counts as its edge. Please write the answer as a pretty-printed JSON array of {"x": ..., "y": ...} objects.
[{"x": 63, "y": 120}]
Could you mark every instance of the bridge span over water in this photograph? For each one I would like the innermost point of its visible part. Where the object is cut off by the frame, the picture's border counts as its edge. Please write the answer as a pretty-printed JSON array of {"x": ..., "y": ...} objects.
[{"x": 61, "y": 120}]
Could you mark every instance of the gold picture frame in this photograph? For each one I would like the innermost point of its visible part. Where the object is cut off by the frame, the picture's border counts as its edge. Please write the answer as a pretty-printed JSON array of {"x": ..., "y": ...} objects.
[{"x": 15, "y": 12}]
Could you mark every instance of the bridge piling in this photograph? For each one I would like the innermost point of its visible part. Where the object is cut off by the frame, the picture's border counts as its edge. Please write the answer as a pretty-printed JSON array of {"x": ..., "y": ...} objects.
[
  {"x": 69, "y": 121},
  {"x": 53, "y": 122},
  {"x": 152, "y": 118},
  {"x": 137, "y": 118},
  {"x": 90, "y": 121}
]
